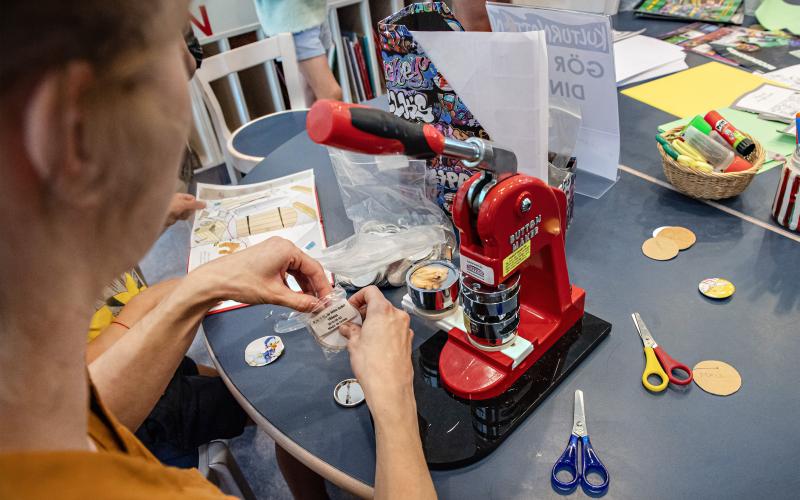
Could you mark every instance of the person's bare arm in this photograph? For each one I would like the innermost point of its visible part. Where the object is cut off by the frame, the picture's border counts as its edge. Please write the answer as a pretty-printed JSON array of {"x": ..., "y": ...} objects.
[
  {"x": 133, "y": 311},
  {"x": 133, "y": 373},
  {"x": 380, "y": 355}
]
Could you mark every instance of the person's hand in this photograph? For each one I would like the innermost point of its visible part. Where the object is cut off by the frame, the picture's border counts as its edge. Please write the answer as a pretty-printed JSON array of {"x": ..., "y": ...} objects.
[
  {"x": 257, "y": 275},
  {"x": 380, "y": 351},
  {"x": 182, "y": 207}
]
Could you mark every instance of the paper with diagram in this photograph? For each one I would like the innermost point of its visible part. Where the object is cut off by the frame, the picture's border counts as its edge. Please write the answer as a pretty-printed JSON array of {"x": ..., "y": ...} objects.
[{"x": 237, "y": 217}]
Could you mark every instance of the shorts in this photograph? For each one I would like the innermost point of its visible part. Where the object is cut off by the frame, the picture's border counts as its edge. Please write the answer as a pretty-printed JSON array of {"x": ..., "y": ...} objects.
[
  {"x": 312, "y": 42},
  {"x": 193, "y": 410}
]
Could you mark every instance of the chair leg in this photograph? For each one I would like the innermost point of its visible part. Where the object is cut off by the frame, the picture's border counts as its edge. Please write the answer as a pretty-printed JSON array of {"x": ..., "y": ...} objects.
[
  {"x": 220, "y": 467},
  {"x": 232, "y": 173}
]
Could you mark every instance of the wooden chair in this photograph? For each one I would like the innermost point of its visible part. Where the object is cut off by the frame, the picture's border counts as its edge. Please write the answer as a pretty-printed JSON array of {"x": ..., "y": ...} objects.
[{"x": 264, "y": 51}]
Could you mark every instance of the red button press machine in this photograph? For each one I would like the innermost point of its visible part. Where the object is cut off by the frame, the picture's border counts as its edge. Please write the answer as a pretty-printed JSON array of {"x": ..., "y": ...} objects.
[{"x": 521, "y": 315}]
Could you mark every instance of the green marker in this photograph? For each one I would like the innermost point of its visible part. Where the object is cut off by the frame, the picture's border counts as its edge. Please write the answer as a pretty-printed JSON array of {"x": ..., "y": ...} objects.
[{"x": 667, "y": 148}]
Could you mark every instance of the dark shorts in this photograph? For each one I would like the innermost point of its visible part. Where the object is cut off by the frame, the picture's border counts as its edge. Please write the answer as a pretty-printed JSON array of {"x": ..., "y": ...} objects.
[{"x": 193, "y": 410}]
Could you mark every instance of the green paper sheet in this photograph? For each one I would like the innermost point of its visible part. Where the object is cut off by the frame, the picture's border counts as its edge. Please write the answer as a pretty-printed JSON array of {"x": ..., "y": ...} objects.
[
  {"x": 766, "y": 132},
  {"x": 778, "y": 15}
]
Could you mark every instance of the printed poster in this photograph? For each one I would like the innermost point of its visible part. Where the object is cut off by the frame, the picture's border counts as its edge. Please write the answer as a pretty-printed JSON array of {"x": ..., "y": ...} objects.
[{"x": 581, "y": 68}]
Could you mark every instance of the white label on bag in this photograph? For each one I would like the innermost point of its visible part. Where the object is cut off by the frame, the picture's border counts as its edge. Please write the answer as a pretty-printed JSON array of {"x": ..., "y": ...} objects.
[
  {"x": 477, "y": 270},
  {"x": 333, "y": 316}
]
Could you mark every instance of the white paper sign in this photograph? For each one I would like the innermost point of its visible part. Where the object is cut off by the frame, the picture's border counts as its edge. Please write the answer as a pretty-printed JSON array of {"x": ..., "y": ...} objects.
[
  {"x": 502, "y": 78},
  {"x": 581, "y": 62},
  {"x": 215, "y": 19}
]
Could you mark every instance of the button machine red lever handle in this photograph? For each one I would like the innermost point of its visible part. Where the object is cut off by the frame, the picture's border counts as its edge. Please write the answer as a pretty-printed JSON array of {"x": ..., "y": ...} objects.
[{"x": 368, "y": 130}]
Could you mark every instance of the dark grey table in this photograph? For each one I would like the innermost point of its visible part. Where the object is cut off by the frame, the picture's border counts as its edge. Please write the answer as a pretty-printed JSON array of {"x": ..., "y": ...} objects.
[
  {"x": 639, "y": 123},
  {"x": 678, "y": 444}
]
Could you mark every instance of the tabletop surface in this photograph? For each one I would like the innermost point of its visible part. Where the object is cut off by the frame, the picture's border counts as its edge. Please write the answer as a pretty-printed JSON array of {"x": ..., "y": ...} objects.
[{"x": 677, "y": 444}]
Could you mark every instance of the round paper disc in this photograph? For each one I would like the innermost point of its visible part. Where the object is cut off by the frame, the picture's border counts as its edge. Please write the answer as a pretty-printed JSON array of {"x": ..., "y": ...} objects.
[
  {"x": 263, "y": 351},
  {"x": 716, "y": 288},
  {"x": 348, "y": 393},
  {"x": 717, "y": 377},
  {"x": 680, "y": 235},
  {"x": 657, "y": 230},
  {"x": 660, "y": 248}
]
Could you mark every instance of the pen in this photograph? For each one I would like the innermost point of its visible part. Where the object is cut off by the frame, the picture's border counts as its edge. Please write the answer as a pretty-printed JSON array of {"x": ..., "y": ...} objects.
[{"x": 667, "y": 148}]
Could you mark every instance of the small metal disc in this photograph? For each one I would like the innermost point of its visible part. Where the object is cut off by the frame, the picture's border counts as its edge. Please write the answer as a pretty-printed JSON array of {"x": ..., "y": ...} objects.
[
  {"x": 348, "y": 393},
  {"x": 365, "y": 279},
  {"x": 716, "y": 288}
]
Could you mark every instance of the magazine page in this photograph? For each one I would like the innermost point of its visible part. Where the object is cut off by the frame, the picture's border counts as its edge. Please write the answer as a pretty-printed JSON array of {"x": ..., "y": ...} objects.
[{"x": 237, "y": 217}]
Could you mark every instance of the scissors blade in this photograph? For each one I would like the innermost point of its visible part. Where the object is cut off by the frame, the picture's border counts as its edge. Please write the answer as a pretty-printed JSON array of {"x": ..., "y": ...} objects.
[
  {"x": 579, "y": 416},
  {"x": 644, "y": 332}
]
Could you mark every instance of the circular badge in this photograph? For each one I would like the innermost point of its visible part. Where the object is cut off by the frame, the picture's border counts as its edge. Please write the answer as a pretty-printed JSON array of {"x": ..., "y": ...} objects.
[
  {"x": 348, "y": 393},
  {"x": 660, "y": 249},
  {"x": 716, "y": 288},
  {"x": 263, "y": 351},
  {"x": 717, "y": 377}
]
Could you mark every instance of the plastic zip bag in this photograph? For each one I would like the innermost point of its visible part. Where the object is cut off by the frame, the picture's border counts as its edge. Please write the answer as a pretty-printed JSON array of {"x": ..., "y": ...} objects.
[
  {"x": 396, "y": 223},
  {"x": 323, "y": 322}
]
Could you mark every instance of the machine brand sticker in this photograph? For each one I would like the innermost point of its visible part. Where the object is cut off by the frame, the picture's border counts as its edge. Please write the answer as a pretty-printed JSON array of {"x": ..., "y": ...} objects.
[
  {"x": 516, "y": 258},
  {"x": 477, "y": 270}
]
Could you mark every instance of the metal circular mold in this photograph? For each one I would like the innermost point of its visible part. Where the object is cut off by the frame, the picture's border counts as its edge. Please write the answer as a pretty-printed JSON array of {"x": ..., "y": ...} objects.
[
  {"x": 491, "y": 334},
  {"x": 439, "y": 299}
]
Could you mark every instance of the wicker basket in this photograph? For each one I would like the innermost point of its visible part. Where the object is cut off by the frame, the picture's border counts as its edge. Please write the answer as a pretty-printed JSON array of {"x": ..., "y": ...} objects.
[{"x": 708, "y": 185}]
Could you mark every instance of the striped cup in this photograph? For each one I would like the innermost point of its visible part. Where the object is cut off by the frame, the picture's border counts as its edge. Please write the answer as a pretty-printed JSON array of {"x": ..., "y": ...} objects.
[{"x": 786, "y": 207}]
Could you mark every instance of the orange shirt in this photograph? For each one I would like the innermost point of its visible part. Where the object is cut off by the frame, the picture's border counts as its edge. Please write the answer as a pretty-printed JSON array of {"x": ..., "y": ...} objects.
[{"x": 122, "y": 468}]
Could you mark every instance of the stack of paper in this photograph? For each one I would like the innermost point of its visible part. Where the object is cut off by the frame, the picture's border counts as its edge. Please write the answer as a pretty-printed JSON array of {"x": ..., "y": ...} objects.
[
  {"x": 695, "y": 91},
  {"x": 640, "y": 58},
  {"x": 789, "y": 76},
  {"x": 771, "y": 103}
]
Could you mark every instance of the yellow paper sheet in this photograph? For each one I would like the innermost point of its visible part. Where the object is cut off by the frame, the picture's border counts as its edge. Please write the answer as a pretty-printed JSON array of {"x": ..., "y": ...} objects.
[{"x": 696, "y": 90}]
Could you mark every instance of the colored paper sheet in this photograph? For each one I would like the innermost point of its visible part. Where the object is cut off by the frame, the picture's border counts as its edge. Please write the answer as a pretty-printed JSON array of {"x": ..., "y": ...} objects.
[
  {"x": 696, "y": 90},
  {"x": 779, "y": 14},
  {"x": 768, "y": 133}
]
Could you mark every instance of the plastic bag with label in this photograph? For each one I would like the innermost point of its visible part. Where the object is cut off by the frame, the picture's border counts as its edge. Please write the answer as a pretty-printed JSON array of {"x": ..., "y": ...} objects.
[{"x": 396, "y": 224}]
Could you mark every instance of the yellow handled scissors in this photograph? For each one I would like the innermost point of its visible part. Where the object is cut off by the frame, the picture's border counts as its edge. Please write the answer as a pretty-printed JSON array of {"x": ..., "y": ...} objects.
[{"x": 655, "y": 359}]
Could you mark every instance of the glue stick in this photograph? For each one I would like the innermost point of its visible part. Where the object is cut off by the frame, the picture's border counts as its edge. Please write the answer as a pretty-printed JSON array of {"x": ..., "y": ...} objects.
[
  {"x": 743, "y": 145},
  {"x": 716, "y": 155}
]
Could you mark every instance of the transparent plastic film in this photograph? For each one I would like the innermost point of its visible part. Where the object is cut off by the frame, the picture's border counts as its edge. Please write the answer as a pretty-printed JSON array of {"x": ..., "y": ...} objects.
[
  {"x": 395, "y": 222},
  {"x": 324, "y": 321}
]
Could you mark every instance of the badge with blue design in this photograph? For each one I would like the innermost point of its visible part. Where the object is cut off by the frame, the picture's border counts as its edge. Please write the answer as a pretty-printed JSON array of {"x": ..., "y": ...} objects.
[{"x": 263, "y": 351}]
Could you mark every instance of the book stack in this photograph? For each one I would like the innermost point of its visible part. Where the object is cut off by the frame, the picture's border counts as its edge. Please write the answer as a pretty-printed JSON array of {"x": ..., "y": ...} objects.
[{"x": 359, "y": 76}]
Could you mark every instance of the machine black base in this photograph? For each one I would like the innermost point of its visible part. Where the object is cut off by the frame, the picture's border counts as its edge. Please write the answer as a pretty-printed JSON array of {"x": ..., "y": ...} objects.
[{"x": 456, "y": 432}]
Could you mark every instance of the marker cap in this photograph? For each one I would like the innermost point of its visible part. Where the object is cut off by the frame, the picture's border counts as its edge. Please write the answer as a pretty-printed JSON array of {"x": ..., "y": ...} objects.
[{"x": 745, "y": 147}]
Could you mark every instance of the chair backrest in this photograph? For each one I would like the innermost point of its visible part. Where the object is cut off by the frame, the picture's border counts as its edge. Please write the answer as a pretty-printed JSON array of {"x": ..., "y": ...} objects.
[{"x": 248, "y": 56}]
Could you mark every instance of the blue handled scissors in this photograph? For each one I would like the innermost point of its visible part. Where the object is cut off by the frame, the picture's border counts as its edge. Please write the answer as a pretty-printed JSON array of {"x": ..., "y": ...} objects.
[{"x": 568, "y": 461}]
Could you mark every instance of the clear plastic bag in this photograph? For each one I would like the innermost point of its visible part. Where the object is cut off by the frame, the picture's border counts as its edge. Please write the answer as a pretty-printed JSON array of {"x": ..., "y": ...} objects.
[
  {"x": 394, "y": 220},
  {"x": 323, "y": 322},
  {"x": 564, "y": 125}
]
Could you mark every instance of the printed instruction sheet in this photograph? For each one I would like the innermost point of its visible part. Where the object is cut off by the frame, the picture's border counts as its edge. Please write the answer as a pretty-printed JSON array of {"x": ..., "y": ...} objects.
[{"x": 237, "y": 217}]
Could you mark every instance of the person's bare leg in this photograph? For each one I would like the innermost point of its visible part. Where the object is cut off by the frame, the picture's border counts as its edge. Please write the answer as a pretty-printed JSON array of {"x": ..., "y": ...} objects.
[
  {"x": 320, "y": 78},
  {"x": 304, "y": 483}
]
